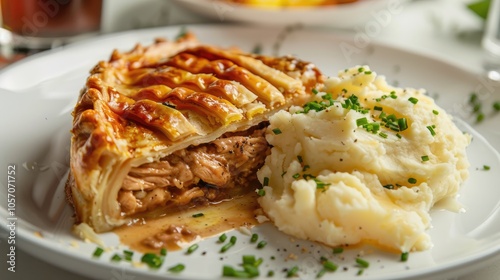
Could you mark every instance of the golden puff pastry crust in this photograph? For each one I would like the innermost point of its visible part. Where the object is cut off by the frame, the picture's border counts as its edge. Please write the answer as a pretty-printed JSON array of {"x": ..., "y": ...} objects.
[{"x": 173, "y": 124}]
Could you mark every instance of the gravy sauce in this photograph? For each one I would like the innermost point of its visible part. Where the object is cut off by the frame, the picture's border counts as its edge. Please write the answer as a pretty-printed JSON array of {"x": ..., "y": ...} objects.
[{"x": 171, "y": 229}]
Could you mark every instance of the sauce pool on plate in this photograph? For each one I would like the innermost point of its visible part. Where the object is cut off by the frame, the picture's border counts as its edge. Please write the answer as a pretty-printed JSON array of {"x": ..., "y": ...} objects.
[{"x": 174, "y": 229}]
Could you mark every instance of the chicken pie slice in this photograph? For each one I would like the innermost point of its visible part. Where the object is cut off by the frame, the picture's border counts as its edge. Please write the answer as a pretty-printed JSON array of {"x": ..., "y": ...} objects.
[{"x": 175, "y": 124}]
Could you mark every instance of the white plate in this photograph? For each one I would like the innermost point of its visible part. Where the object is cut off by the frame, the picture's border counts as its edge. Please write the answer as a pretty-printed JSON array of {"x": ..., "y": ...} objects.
[
  {"x": 38, "y": 94},
  {"x": 340, "y": 16}
]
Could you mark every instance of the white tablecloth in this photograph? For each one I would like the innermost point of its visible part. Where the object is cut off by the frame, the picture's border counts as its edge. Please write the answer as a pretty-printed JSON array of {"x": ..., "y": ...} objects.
[{"x": 443, "y": 28}]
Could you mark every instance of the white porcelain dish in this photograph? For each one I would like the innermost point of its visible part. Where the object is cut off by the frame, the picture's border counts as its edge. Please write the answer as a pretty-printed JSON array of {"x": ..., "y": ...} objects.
[
  {"x": 340, "y": 16},
  {"x": 38, "y": 94}
]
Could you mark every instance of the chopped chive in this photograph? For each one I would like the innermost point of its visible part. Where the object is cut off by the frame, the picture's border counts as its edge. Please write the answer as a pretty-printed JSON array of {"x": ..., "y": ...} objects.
[
  {"x": 177, "y": 268},
  {"x": 330, "y": 266},
  {"x": 360, "y": 272},
  {"x": 197, "y": 215},
  {"x": 292, "y": 272},
  {"x": 233, "y": 239},
  {"x": 321, "y": 273},
  {"x": 231, "y": 243},
  {"x": 308, "y": 176},
  {"x": 412, "y": 180},
  {"x": 486, "y": 167},
  {"x": 476, "y": 108},
  {"x": 383, "y": 135},
  {"x": 496, "y": 106},
  {"x": 362, "y": 263},
  {"x": 226, "y": 247},
  {"x": 404, "y": 256},
  {"x": 479, "y": 117},
  {"x": 261, "y": 192},
  {"x": 431, "y": 129},
  {"x": 402, "y": 123},
  {"x": 306, "y": 167},
  {"x": 296, "y": 175},
  {"x": 261, "y": 244},
  {"x": 314, "y": 91},
  {"x": 338, "y": 250},
  {"x": 254, "y": 238},
  {"x": 270, "y": 273},
  {"x": 163, "y": 252},
  {"x": 277, "y": 131},
  {"x": 413, "y": 100},
  {"x": 251, "y": 270},
  {"x": 223, "y": 237},
  {"x": 192, "y": 248},
  {"x": 152, "y": 260},
  {"x": 425, "y": 158},
  {"x": 320, "y": 184},
  {"x": 473, "y": 97},
  {"x": 435, "y": 112},
  {"x": 116, "y": 258},
  {"x": 228, "y": 271},
  {"x": 361, "y": 121},
  {"x": 368, "y": 72},
  {"x": 248, "y": 259},
  {"x": 361, "y": 69},
  {"x": 266, "y": 181},
  {"x": 98, "y": 252},
  {"x": 378, "y": 108},
  {"x": 128, "y": 255}
]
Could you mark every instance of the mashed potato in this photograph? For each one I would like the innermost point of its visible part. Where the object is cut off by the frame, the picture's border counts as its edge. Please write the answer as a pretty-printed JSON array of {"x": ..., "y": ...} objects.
[{"x": 364, "y": 161}]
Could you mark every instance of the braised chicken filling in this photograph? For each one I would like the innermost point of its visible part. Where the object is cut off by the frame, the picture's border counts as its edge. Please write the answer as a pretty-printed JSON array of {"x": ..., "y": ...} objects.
[{"x": 200, "y": 174}]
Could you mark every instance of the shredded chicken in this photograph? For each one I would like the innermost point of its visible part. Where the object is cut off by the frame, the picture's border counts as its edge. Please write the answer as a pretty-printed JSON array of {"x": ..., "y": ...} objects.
[{"x": 208, "y": 172}]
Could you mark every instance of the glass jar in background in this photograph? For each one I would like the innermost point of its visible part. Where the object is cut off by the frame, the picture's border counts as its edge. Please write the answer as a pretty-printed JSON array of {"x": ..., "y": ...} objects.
[
  {"x": 491, "y": 41},
  {"x": 42, "y": 24}
]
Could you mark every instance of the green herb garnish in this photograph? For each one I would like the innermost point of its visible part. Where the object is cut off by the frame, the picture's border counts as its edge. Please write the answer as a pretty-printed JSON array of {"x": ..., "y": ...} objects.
[
  {"x": 192, "y": 248},
  {"x": 292, "y": 272},
  {"x": 152, "y": 260},
  {"x": 277, "y": 131},
  {"x": 261, "y": 244},
  {"x": 261, "y": 192},
  {"x": 338, "y": 250},
  {"x": 254, "y": 238},
  {"x": 177, "y": 268},
  {"x": 362, "y": 263},
  {"x": 413, "y": 100},
  {"x": 98, "y": 252},
  {"x": 404, "y": 256}
]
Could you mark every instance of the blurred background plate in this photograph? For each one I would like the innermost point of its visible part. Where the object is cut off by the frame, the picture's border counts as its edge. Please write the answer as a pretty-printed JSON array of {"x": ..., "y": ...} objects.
[{"x": 340, "y": 16}]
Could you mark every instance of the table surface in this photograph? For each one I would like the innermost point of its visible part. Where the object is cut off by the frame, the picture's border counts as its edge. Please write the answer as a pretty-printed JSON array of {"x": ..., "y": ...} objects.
[{"x": 442, "y": 28}]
